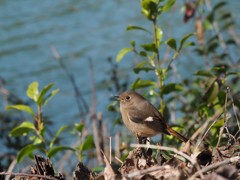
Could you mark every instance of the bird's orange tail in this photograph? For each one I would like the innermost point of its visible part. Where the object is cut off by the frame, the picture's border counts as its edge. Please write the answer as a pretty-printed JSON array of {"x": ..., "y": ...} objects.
[{"x": 177, "y": 135}]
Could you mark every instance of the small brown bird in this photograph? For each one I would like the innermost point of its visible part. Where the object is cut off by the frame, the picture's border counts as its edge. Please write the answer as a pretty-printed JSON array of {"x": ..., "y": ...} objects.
[{"x": 142, "y": 118}]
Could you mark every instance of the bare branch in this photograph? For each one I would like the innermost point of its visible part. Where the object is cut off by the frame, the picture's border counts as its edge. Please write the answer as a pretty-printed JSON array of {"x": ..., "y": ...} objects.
[
  {"x": 214, "y": 166},
  {"x": 193, "y": 161}
]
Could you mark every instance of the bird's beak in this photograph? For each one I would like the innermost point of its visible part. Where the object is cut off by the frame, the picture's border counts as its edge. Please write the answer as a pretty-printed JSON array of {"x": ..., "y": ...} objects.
[{"x": 115, "y": 98}]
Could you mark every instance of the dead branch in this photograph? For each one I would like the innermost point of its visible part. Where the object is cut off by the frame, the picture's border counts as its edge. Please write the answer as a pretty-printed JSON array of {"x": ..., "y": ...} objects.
[
  {"x": 193, "y": 161},
  {"x": 28, "y": 175},
  {"x": 214, "y": 166}
]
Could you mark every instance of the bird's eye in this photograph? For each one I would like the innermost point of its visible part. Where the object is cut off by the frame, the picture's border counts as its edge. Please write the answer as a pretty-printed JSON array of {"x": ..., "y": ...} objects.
[{"x": 128, "y": 97}]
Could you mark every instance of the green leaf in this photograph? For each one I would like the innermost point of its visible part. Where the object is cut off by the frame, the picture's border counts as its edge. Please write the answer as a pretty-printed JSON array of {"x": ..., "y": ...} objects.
[
  {"x": 26, "y": 151},
  {"x": 172, "y": 43},
  {"x": 225, "y": 16},
  {"x": 142, "y": 84},
  {"x": 35, "y": 139},
  {"x": 60, "y": 130},
  {"x": 143, "y": 53},
  {"x": 183, "y": 40},
  {"x": 207, "y": 25},
  {"x": 213, "y": 92},
  {"x": 159, "y": 34},
  {"x": 88, "y": 143},
  {"x": 98, "y": 169},
  {"x": 150, "y": 9},
  {"x": 32, "y": 91},
  {"x": 172, "y": 87},
  {"x": 219, "y": 5},
  {"x": 43, "y": 93},
  {"x": 143, "y": 66},
  {"x": 203, "y": 73},
  {"x": 23, "y": 129},
  {"x": 53, "y": 151},
  {"x": 233, "y": 74},
  {"x": 227, "y": 25},
  {"x": 122, "y": 53},
  {"x": 133, "y": 43},
  {"x": 189, "y": 44},
  {"x": 79, "y": 127},
  {"x": 21, "y": 107},
  {"x": 150, "y": 47},
  {"x": 168, "y": 5},
  {"x": 50, "y": 96},
  {"x": 129, "y": 28}
]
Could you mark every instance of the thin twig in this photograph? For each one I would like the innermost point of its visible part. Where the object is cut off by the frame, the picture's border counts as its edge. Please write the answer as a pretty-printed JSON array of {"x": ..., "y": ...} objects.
[
  {"x": 225, "y": 120},
  {"x": 110, "y": 149},
  {"x": 166, "y": 149},
  {"x": 11, "y": 167},
  {"x": 96, "y": 134},
  {"x": 233, "y": 106},
  {"x": 207, "y": 131},
  {"x": 28, "y": 175},
  {"x": 118, "y": 159},
  {"x": 144, "y": 171},
  {"x": 214, "y": 166},
  {"x": 77, "y": 92}
]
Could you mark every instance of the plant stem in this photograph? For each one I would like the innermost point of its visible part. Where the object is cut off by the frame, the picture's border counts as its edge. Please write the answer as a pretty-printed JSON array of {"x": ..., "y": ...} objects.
[
  {"x": 39, "y": 117},
  {"x": 158, "y": 68}
]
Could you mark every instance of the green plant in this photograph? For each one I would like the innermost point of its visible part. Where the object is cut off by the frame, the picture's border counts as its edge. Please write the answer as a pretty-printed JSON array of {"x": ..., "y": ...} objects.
[
  {"x": 205, "y": 95},
  {"x": 152, "y": 60},
  {"x": 36, "y": 129}
]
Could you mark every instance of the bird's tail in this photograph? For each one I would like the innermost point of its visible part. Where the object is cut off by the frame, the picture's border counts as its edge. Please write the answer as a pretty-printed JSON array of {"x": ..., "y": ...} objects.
[{"x": 176, "y": 134}]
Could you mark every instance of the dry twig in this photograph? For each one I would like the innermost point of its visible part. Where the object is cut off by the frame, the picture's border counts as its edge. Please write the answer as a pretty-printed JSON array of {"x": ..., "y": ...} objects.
[
  {"x": 214, "y": 166},
  {"x": 193, "y": 161}
]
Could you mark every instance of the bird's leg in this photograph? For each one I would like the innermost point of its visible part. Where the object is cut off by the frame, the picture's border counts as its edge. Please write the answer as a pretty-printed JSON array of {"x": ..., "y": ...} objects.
[{"x": 142, "y": 140}]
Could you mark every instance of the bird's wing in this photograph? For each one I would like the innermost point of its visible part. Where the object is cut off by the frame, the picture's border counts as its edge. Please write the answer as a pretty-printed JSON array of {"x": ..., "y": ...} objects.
[{"x": 149, "y": 116}]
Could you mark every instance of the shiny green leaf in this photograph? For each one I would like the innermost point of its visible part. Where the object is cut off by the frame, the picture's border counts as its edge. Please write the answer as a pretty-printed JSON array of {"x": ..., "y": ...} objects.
[
  {"x": 159, "y": 34},
  {"x": 60, "y": 130},
  {"x": 98, "y": 169},
  {"x": 150, "y": 47},
  {"x": 122, "y": 53},
  {"x": 43, "y": 93},
  {"x": 53, "y": 151},
  {"x": 149, "y": 9},
  {"x": 88, "y": 143},
  {"x": 50, "y": 96},
  {"x": 219, "y": 5},
  {"x": 203, "y": 73},
  {"x": 23, "y": 129},
  {"x": 21, "y": 107},
  {"x": 35, "y": 139},
  {"x": 172, "y": 43},
  {"x": 79, "y": 127},
  {"x": 142, "y": 84},
  {"x": 213, "y": 92},
  {"x": 172, "y": 87},
  {"x": 129, "y": 28},
  {"x": 207, "y": 25},
  {"x": 32, "y": 91},
  {"x": 183, "y": 40},
  {"x": 143, "y": 66},
  {"x": 26, "y": 151},
  {"x": 143, "y": 53},
  {"x": 168, "y": 5},
  {"x": 225, "y": 16},
  {"x": 189, "y": 44},
  {"x": 133, "y": 43}
]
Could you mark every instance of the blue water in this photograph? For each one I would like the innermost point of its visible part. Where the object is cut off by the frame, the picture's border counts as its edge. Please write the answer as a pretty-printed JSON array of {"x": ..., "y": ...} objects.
[{"x": 79, "y": 30}]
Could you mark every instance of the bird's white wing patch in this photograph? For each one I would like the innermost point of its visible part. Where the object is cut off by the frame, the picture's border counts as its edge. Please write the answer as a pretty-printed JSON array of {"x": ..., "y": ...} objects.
[{"x": 149, "y": 119}]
